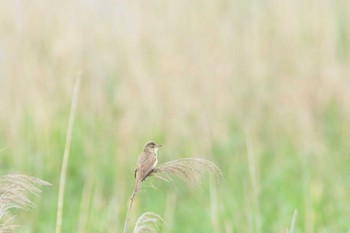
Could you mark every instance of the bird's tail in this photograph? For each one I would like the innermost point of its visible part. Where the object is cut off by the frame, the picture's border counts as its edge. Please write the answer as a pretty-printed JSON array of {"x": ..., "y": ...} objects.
[
  {"x": 138, "y": 182},
  {"x": 137, "y": 186}
]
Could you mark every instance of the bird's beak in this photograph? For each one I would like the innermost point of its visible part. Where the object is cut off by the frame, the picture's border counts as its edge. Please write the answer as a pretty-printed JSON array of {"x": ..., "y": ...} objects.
[{"x": 159, "y": 146}]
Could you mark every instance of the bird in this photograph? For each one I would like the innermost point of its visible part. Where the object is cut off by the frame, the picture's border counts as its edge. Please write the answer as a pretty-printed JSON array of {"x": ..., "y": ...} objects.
[{"x": 146, "y": 163}]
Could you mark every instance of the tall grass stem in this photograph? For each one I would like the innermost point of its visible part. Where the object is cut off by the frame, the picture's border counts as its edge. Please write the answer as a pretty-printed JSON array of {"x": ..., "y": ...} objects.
[
  {"x": 127, "y": 214},
  {"x": 66, "y": 155}
]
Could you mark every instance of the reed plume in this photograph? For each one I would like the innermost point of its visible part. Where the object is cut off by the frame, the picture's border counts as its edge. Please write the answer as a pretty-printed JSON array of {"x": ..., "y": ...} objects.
[
  {"x": 147, "y": 222},
  {"x": 13, "y": 195},
  {"x": 190, "y": 170}
]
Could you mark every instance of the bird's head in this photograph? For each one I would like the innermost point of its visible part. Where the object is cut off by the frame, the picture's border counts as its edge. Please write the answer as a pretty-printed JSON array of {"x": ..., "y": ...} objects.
[{"x": 151, "y": 146}]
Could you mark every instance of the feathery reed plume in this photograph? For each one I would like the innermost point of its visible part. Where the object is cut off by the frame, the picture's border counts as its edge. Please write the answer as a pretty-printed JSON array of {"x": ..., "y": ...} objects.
[
  {"x": 147, "y": 222},
  {"x": 13, "y": 195},
  {"x": 189, "y": 170}
]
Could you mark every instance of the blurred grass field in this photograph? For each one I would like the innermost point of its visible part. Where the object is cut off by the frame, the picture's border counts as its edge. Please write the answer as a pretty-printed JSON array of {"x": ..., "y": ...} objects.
[{"x": 261, "y": 88}]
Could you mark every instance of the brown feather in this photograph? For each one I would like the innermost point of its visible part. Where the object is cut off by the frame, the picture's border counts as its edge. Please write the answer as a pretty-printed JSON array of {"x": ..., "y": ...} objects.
[{"x": 146, "y": 164}]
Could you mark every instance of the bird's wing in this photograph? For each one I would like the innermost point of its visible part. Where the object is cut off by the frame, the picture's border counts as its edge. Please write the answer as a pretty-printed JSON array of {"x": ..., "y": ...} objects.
[
  {"x": 146, "y": 166},
  {"x": 142, "y": 159}
]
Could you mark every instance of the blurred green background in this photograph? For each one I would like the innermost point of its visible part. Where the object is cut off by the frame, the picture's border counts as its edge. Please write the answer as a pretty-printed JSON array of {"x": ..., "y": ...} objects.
[{"x": 261, "y": 88}]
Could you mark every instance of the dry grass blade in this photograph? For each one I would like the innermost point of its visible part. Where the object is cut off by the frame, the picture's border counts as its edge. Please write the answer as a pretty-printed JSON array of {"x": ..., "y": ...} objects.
[
  {"x": 292, "y": 224},
  {"x": 189, "y": 170},
  {"x": 13, "y": 194},
  {"x": 65, "y": 159},
  {"x": 147, "y": 222}
]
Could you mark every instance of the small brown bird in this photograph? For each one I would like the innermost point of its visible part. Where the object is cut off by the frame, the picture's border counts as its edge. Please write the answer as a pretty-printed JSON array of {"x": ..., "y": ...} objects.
[{"x": 146, "y": 163}]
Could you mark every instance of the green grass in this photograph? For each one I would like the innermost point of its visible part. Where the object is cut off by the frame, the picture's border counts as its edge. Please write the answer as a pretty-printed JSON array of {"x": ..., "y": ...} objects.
[{"x": 259, "y": 88}]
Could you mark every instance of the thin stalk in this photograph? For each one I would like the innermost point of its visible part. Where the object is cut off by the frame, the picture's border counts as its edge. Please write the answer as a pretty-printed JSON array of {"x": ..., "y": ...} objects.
[
  {"x": 66, "y": 156},
  {"x": 127, "y": 214}
]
